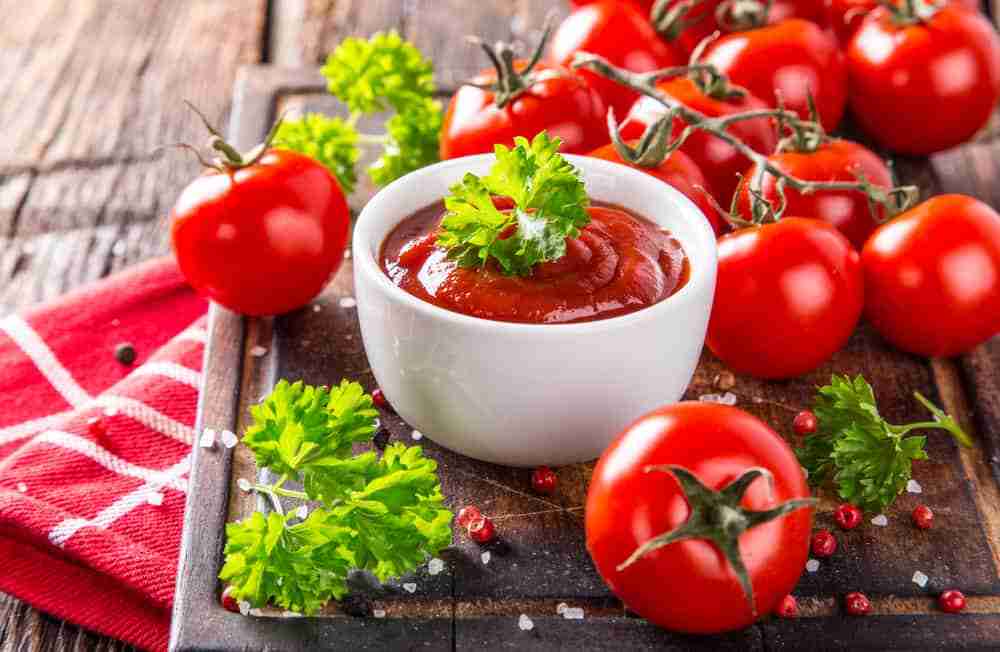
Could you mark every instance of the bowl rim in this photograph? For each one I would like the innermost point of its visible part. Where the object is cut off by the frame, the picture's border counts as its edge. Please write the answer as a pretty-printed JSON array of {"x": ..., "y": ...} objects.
[{"x": 703, "y": 241}]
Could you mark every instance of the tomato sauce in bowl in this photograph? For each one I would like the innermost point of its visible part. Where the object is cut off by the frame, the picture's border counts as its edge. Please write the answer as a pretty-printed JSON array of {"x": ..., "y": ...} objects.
[{"x": 619, "y": 264}]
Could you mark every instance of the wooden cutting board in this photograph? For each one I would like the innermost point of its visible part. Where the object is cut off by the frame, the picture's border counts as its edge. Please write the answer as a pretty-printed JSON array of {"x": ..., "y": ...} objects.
[{"x": 540, "y": 559}]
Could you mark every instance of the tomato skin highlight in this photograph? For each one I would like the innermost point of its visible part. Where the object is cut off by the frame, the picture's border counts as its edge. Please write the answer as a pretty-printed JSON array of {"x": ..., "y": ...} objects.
[
  {"x": 923, "y": 88},
  {"x": 264, "y": 239},
  {"x": 562, "y": 104},
  {"x": 718, "y": 161},
  {"x": 788, "y": 59},
  {"x": 619, "y": 33},
  {"x": 679, "y": 171},
  {"x": 626, "y": 506},
  {"x": 788, "y": 296},
  {"x": 932, "y": 276},
  {"x": 834, "y": 160}
]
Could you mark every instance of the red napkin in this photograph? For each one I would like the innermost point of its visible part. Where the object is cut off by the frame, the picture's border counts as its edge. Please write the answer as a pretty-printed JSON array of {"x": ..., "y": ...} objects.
[{"x": 90, "y": 514}]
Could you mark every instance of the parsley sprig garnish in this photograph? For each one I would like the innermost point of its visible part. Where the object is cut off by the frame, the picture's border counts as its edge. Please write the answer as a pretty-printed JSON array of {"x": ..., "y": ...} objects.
[
  {"x": 384, "y": 514},
  {"x": 550, "y": 205},
  {"x": 382, "y": 73},
  {"x": 868, "y": 459}
]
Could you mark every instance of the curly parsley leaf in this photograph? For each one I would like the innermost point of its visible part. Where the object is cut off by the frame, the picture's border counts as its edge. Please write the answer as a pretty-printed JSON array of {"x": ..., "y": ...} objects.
[
  {"x": 384, "y": 514},
  {"x": 298, "y": 567},
  {"x": 550, "y": 205},
  {"x": 382, "y": 72},
  {"x": 333, "y": 142},
  {"x": 868, "y": 459},
  {"x": 412, "y": 139},
  {"x": 299, "y": 425}
]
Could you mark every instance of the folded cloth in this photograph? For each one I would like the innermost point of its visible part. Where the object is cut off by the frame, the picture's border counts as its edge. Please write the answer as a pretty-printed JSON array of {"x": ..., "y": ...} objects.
[{"x": 94, "y": 451}]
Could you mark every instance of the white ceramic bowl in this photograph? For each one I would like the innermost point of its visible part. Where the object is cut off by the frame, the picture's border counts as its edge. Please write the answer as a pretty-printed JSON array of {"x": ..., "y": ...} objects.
[{"x": 530, "y": 394}]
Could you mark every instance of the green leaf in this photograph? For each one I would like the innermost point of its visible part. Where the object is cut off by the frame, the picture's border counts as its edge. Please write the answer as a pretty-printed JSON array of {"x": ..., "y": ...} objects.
[
  {"x": 550, "y": 205},
  {"x": 331, "y": 141},
  {"x": 298, "y": 567},
  {"x": 398, "y": 515},
  {"x": 378, "y": 73},
  {"x": 413, "y": 142},
  {"x": 868, "y": 459},
  {"x": 299, "y": 425}
]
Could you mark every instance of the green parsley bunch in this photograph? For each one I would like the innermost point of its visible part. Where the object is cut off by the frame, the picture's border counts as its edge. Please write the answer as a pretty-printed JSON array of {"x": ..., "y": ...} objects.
[
  {"x": 550, "y": 205},
  {"x": 868, "y": 459},
  {"x": 382, "y": 73},
  {"x": 384, "y": 514}
]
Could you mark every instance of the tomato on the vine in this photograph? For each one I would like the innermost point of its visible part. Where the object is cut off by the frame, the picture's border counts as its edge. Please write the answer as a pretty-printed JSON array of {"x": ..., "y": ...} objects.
[
  {"x": 679, "y": 171},
  {"x": 553, "y": 99},
  {"x": 845, "y": 16},
  {"x": 645, "y": 486},
  {"x": 718, "y": 160},
  {"x": 921, "y": 85},
  {"x": 932, "y": 276},
  {"x": 831, "y": 160},
  {"x": 261, "y": 237},
  {"x": 787, "y": 297},
  {"x": 789, "y": 60},
  {"x": 619, "y": 33}
]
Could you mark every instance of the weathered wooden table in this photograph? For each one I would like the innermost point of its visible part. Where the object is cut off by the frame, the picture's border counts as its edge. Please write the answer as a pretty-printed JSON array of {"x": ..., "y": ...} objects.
[{"x": 94, "y": 86}]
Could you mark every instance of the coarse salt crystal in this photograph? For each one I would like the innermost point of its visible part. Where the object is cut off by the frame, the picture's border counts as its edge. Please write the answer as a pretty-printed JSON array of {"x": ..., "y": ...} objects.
[
  {"x": 155, "y": 499},
  {"x": 435, "y": 566},
  {"x": 244, "y": 607},
  {"x": 243, "y": 484},
  {"x": 914, "y": 487},
  {"x": 920, "y": 579},
  {"x": 229, "y": 438},
  {"x": 573, "y": 613},
  {"x": 302, "y": 511},
  {"x": 207, "y": 439},
  {"x": 417, "y": 435},
  {"x": 317, "y": 308},
  {"x": 880, "y": 520},
  {"x": 561, "y": 607},
  {"x": 812, "y": 565},
  {"x": 410, "y": 587},
  {"x": 728, "y": 399},
  {"x": 378, "y": 613},
  {"x": 525, "y": 623},
  {"x": 348, "y": 302},
  {"x": 485, "y": 557},
  {"x": 22, "y": 487},
  {"x": 258, "y": 351}
]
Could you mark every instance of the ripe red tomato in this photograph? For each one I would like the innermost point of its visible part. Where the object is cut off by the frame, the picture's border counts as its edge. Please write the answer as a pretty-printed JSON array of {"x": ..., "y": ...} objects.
[
  {"x": 834, "y": 160},
  {"x": 628, "y": 504},
  {"x": 790, "y": 60},
  {"x": 560, "y": 103},
  {"x": 932, "y": 276},
  {"x": 620, "y": 34},
  {"x": 845, "y": 16},
  {"x": 679, "y": 171},
  {"x": 718, "y": 160},
  {"x": 788, "y": 296},
  {"x": 262, "y": 239},
  {"x": 925, "y": 87}
]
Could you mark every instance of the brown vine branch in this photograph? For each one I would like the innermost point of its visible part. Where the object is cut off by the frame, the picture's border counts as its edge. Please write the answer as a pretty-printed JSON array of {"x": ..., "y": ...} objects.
[{"x": 893, "y": 199}]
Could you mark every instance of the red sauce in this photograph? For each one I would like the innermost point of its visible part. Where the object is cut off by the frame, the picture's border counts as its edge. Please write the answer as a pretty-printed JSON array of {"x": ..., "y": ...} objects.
[{"x": 619, "y": 264}]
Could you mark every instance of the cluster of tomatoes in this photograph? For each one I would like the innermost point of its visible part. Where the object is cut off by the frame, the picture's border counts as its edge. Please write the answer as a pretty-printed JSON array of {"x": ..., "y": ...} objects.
[{"x": 918, "y": 78}]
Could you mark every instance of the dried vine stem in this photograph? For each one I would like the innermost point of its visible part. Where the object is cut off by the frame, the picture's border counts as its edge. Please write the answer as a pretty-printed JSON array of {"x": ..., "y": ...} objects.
[{"x": 653, "y": 148}]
